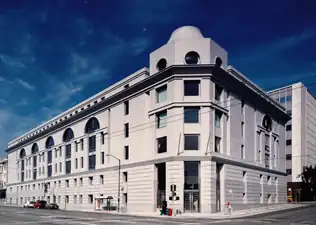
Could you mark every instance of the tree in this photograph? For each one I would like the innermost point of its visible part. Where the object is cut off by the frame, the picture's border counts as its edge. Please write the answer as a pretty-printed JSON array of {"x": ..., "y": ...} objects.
[{"x": 309, "y": 183}]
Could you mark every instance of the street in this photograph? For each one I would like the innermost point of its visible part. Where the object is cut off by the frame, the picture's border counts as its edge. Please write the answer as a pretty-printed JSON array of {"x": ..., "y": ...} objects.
[{"x": 19, "y": 216}]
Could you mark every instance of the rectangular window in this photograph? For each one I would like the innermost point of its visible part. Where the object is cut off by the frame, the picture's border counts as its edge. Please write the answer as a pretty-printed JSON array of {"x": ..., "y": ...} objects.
[
  {"x": 289, "y": 142},
  {"x": 68, "y": 151},
  {"x": 242, "y": 106},
  {"x": 218, "y": 116},
  {"x": 289, "y": 98},
  {"x": 81, "y": 143},
  {"x": 126, "y": 152},
  {"x": 81, "y": 162},
  {"x": 191, "y": 141},
  {"x": 76, "y": 144},
  {"x": 288, "y": 156},
  {"x": 49, "y": 171},
  {"x": 162, "y": 144},
  {"x": 282, "y": 99},
  {"x": 242, "y": 129},
  {"x": 162, "y": 119},
  {"x": 68, "y": 167},
  {"x": 67, "y": 183},
  {"x": 75, "y": 199},
  {"x": 60, "y": 167},
  {"x": 80, "y": 199},
  {"x": 191, "y": 114},
  {"x": 75, "y": 182},
  {"x": 126, "y": 108},
  {"x": 242, "y": 151},
  {"x": 217, "y": 144},
  {"x": 92, "y": 144},
  {"x": 102, "y": 138},
  {"x": 191, "y": 87},
  {"x": 56, "y": 153},
  {"x": 161, "y": 94},
  {"x": 126, "y": 129},
  {"x": 91, "y": 162},
  {"x": 60, "y": 152},
  {"x": 289, "y": 171},
  {"x": 101, "y": 179},
  {"x": 90, "y": 180},
  {"x": 102, "y": 157},
  {"x": 81, "y": 182},
  {"x": 55, "y": 167},
  {"x": 289, "y": 127},
  {"x": 125, "y": 177},
  {"x": 49, "y": 156},
  {"x": 76, "y": 163},
  {"x": 267, "y": 160},
  {"x": 90, "y": 199}
]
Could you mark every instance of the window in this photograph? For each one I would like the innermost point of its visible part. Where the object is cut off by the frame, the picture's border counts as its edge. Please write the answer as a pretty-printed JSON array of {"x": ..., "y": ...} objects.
[
  {"x": 90, "y": 180},
  {"x": 242, "y": 129},
  {"x": 60, "y": 167},
  {"x": 242, "y": 151},
  {"x": 289, "y": 171},
  {"x": 92, "y": 162},
  {"x": 76, "y": 164},
  {"x": 161, "y": 94},
  {"x": 191, "y": 141},
  {"x": 81, "y": 162},
  {"x": 161, "y": 119},
  {"x": 191, "y": 87},
  {"x": 126, "y": 152},
  {"x": 90, "y": 199},
  {"x": 60, "y": 152},
  {"x": 102, "y": 157},
  {"x": 126, "y": 108},
  {"x": 81, "y": 142},
  {"x": 218, "y": 116},
  {"x": 75, "y": 199},
  {"x": 67, "y": 183},
  {"x": 101, "y": 179},
  {"x": 81, "y": 181},
  {"x": 49, "y": 157},
  {"x": 80, "y": 199},
  {"x": 218, "y": 92},
  {"x": 162, "y": 145},
  {"x": 289, "y": 98},
  {"x": 92, "y": 144},
  {"x": 282, "y": 99},
  {"x": 217, "y": 144},
  {"x": 289, "y": 127},
  {"x": 55, "y": 167},
  {"x": 191, "y": 114},
  {"x": 242, "y": 106},
  {"x": 76, "y": 143},
  {"x": 56, "y": 153},
  {"x": 68, "y": 151},
  {"x": 288, "y": 156},
  {"x": 289, "y": 142},
  {"x": 126, "y": 129},
  {"x": 125, "y": 177},
  {"x": 49, "y": 171},
  {"x": 75, "y": 182},
  {"x": 267, "y": 160},
  {"x": 102, "y": 138},
  {"x": 126, "y": 86},
  {"x": 68, "y": 167}
]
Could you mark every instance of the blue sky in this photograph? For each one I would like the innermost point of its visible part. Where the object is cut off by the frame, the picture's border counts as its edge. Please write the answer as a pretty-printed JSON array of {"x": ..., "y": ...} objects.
[{"x": 56, "y": 53}]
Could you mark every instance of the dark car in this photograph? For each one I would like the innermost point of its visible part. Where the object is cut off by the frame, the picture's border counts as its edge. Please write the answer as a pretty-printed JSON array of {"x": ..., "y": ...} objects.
[
  {"x": 40, "y": 204},
  {"x": 52, "y": 206}
]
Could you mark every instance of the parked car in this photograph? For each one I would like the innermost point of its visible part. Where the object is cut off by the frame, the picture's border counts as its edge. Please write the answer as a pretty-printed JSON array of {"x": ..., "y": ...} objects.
[
  {"x": 29, "y": 204},
  {"x": 52, "y": 206},
  {"x": 40, "y": 204}
]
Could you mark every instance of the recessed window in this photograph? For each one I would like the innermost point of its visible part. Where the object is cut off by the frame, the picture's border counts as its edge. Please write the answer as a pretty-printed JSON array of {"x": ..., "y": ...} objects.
[
  {"x": 90, "y": 180},
  {"x": 289, "y": 142},
  {"x": 91, "y": 162},
  {"x": 288, "y": 156},
  {"x": 68, "y": 167},
  {"x": 289, "y": 171},
  {"x": 161, "y": 94},
  {"x": 191, "y": 87},
  {"x": 218, "y": 92},
  {"x": 126, "y": 152},
  {"x": 90, "y": 199},
  {"x": 289, "y": 98},
  {"x": 102, "y": 157},
  {"x": 218, "y": 116},
  {"x": 217, "y": 144},
  {"x": 101, "y": 179},
  {"x": 218, "y": 62},
  {"x": 126, "y": 130},
  {"x": 192, "y": 58},
  {"x": 191, "y": 141},
  {"x": 76, "y": 163},
  {"x": 162, "y": 64},
  {"x": 267, "y": 123},
  {"x": 162, "y": 145},
  {"x": 162, "y": 119},
  {"x": 288, "y": 127},
  {"x": 242, "y": 152},
  {"x": 126, "y": 108},
  {"x": 191, "y": 114}
]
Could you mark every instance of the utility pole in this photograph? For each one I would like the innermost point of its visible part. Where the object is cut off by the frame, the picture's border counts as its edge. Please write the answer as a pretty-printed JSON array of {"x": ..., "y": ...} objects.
[{"x": 119, "y": 181}]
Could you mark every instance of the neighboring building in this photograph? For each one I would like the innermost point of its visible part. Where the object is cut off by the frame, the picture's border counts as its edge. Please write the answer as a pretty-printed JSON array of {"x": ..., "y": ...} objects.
[
  {"x": 300, "y": 104},
  {"x": 3, "y": 176},
  {"x": 189, "y": 120}
]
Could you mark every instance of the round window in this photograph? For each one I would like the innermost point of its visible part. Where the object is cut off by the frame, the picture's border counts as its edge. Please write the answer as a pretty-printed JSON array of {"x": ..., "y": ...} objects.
[
  {"x": 218, "y": 61},
  {"x": 192, "y": 58},
  {"x": 162, "y": 64}
]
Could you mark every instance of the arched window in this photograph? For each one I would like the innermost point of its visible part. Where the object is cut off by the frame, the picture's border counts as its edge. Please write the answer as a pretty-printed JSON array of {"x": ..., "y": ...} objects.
[
  {"x": 68, "y": 135},
  {"x": 22, "y": 153},
  {"x": 92, "y": 125},
  {"x": 49, "y": 142},
  {"x": 34, "y": 148},
  {"x": 267, "y": 122}
]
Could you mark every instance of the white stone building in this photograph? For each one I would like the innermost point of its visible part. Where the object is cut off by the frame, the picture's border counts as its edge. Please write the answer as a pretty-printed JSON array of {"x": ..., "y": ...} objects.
[
  {"x": 189, "y": 120},
  {"x": 3, "y": 176},
  {"x": 300, "y": 104}
]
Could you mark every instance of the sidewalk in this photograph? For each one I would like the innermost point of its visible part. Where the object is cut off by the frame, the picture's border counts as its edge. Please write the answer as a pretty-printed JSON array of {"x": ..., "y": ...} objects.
[{"x": 221, "y": 215}]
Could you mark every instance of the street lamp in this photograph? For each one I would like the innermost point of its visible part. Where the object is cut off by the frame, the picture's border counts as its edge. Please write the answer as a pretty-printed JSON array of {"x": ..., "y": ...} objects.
[{"x": 119, "y": 181}]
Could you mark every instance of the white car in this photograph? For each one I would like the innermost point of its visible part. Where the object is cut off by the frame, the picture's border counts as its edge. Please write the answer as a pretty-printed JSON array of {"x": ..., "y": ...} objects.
[{"x": 29, "y": 204}]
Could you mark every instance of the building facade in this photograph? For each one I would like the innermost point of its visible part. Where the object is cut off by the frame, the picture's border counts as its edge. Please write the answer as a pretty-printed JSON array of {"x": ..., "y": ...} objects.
[
  {"x": 3, "y": 177},
  {"x": 189, "y": 120},
  {"x": 300, "y": 104}
]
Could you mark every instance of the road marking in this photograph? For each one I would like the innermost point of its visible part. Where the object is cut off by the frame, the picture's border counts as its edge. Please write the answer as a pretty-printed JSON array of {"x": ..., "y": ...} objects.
[
  {"x": 116, "y": 221},
  {"x": 259, "y": 221}
]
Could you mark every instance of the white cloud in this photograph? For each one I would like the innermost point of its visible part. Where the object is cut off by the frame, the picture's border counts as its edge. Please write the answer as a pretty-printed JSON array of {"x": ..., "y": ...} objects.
[
  {"x": 25, "y": 84},
  {"x": 13, "y": 62},
  {"x": 4, "y": 80}
]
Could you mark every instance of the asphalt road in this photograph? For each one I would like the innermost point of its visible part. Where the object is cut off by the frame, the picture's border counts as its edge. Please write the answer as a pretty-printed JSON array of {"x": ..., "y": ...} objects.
[{"x": 20, "y": 216}]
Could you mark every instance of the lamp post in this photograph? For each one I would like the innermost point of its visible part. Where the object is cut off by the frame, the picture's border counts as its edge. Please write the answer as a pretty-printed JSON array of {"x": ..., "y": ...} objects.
[{"x": 119, "y": 181}]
